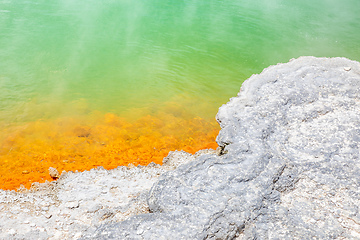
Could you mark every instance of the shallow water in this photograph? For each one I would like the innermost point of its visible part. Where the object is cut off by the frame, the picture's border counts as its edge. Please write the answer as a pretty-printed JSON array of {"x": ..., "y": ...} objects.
[{"x": 90, "y": 83}]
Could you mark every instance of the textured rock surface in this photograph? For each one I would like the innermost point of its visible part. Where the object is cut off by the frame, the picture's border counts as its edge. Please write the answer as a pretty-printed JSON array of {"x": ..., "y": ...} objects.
[
  {"x": 289, "y": 167},
  {"x": 81, "y": 201}
]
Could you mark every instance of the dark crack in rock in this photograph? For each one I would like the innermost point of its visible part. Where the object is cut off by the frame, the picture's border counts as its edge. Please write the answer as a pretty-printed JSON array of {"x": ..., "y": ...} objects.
[{"x": 289, "y": 167}]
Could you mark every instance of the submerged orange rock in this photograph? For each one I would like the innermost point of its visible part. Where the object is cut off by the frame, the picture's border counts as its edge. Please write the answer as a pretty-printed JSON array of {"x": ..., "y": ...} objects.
[{"x": 68, "y": 144}]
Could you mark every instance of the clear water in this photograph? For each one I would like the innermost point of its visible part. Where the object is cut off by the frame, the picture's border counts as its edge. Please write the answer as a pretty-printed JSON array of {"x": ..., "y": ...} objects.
[
  {"x": 136, "y": 58},
  {"x": 114, "y": 55}
]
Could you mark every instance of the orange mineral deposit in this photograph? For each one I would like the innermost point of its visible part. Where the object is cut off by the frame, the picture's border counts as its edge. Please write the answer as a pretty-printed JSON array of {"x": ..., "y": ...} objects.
[{"x": 28, "y": 150}]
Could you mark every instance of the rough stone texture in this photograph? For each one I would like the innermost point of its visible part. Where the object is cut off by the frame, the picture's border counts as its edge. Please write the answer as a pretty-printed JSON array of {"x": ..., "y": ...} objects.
[
  {"x": 289, "y": 166},
  {"x": 81, "y": 201}
]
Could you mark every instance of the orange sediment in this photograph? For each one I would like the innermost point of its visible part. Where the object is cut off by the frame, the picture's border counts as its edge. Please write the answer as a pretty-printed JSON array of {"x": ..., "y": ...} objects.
[{"x": 69, "y": 144}]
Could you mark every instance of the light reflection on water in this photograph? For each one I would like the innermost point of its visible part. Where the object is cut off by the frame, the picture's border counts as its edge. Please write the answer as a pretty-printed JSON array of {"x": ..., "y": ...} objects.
[
  {"x": 117, "y": 55},
  {"x": 141, "y": 71}
]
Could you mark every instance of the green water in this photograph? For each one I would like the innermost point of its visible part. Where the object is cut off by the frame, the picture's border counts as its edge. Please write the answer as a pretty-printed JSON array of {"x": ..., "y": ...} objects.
[{"x": 64, "y": 57}]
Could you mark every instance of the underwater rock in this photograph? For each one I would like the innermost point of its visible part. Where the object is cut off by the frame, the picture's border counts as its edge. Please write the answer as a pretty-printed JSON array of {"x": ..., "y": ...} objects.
[
  {"x": 289, "y": 166},
  {"x": 54, "y": 173}
]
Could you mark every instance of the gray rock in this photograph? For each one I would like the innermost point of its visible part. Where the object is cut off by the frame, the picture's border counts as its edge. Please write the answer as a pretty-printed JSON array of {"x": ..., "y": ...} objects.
[
  {"x": 289, "y": 166},
  {"x": 81, "y": 201}
]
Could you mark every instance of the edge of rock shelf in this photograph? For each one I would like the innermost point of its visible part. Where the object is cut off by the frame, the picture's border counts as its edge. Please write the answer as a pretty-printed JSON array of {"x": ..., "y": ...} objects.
[{"x": 287, "y": 168}]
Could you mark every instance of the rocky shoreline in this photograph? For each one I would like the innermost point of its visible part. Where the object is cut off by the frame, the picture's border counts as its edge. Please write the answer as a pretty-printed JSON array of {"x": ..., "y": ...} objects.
[
  {"x": 288, "y": 167},
  {"x": 82, "y": 201}
]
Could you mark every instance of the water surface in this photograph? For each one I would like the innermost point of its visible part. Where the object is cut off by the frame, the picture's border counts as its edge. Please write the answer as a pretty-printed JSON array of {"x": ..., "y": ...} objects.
[{"x": 83, "y": 82}]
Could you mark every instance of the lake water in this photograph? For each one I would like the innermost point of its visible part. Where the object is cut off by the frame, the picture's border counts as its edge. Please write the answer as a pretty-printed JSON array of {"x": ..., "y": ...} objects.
[{"x": 107, "y": 83}]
